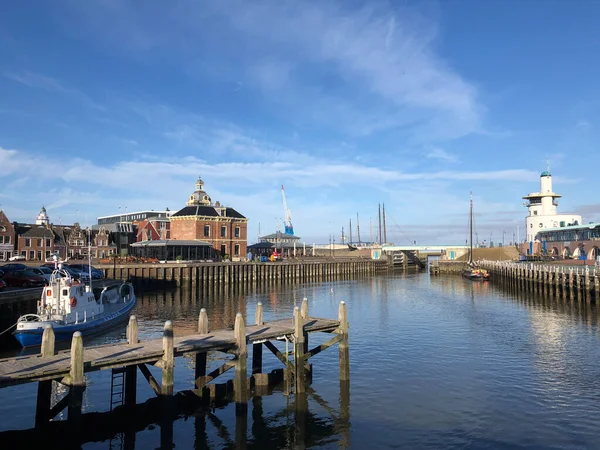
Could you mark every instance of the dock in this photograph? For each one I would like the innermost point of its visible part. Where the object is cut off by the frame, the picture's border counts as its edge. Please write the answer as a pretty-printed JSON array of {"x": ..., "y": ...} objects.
[{"x": 125, "y": 360}]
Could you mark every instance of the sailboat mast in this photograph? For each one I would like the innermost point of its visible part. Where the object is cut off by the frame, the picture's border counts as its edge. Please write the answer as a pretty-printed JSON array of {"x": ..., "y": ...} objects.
[
  {"x": 470, "y": 227},
  {"x": 357, "y": 229}
]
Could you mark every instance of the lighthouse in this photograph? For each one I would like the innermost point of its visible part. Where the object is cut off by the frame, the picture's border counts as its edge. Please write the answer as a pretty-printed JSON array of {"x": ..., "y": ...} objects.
[{"x": 542, "y": 210}]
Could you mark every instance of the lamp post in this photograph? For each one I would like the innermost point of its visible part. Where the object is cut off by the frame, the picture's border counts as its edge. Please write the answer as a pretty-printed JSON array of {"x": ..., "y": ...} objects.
[{"x": 503, "y": 234}]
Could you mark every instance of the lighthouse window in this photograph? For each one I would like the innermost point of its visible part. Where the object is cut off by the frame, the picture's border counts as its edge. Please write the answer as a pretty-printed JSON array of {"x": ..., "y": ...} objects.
[
  {"x": 535, "y": 213},
  {"x": 65, "y": 292}
]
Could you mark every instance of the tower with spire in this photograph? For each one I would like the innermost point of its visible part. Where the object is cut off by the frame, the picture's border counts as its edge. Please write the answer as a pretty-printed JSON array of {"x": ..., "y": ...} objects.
[
  {"x": 42, "y": 218},
  {"x": 542, "y": 209},
  {"x": 199, "y": 197}
]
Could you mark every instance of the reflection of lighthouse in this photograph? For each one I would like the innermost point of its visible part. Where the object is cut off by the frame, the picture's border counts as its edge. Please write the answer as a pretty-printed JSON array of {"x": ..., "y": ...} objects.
[{"x": 542, "y": 210}]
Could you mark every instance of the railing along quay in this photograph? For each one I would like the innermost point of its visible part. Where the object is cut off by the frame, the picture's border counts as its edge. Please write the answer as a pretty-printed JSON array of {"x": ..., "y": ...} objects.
[
  {"x": 567, "y": 282},
  {"x": 236, "y": 273},
  {"x": 69, "y": 368}
]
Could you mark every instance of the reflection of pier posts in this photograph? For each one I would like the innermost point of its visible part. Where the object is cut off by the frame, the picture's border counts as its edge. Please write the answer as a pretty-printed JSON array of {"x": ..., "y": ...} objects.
[
  {"x": 44, "y": 393},
  {"x": 301, "y": 417},
  {"x": 257, "y": 347},
  {"x": 131, "y": 371}
]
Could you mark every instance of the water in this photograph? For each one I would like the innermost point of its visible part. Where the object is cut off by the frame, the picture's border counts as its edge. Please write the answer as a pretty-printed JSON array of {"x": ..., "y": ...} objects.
[{"x": 435, "y": 363}]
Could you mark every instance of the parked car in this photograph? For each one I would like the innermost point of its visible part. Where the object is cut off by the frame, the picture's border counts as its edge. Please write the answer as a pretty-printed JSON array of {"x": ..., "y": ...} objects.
[
  {"x": 1, "y": 273},
  {"x": 14, "y": 266},
  {"x": 17, "y": 258},
  {"x": 2, "y": 284},
  {"x": 43, "y": 272},
  {"x": 23, "y": 278},
  {"x": 73, "y": 272},
  {"x": 97, "y": 274}
]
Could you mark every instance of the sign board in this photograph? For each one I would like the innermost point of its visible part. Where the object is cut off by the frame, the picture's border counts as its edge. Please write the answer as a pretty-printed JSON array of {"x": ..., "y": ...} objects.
[{"x": 6, "y": 247}]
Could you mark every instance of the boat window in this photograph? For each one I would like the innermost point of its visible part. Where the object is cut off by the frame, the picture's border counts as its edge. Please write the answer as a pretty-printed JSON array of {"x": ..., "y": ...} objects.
[{"x": 65, "y": 292}]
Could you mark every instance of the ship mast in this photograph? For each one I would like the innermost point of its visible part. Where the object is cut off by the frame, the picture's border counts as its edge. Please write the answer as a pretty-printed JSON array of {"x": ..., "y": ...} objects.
[{"x": 470, "y": 228}]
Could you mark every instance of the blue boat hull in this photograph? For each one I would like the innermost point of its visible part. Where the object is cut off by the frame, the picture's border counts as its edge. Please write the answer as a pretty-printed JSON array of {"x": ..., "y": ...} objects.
[{"x": 30, "y": 338}]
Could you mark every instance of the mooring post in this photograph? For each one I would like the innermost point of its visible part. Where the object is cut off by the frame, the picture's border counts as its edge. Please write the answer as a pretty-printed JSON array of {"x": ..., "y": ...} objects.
[
  {"x": 257, "y": 348},
  {"x": 132, "y": 331},
  {"x": 300, "y": 372},
  {"x": 76, "y": 379},
  {"x": 344, "y": 351},
  {"x": 240, "y": 385},
  {"x": 168, "y": 360},
  {"x": 304, "y": 311},
  {"x": 131, "y": 371},
  {"x": 200, "y": 369},
  {"x": 44, "y": 392}
]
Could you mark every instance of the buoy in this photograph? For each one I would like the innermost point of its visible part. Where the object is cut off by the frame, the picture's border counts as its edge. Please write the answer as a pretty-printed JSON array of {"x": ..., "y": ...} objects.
[{"x": 73, "y": 302}]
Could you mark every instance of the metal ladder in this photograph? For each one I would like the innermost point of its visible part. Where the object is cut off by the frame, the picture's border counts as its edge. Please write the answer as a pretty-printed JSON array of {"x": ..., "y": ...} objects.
[{"x": 117, "y": 386}]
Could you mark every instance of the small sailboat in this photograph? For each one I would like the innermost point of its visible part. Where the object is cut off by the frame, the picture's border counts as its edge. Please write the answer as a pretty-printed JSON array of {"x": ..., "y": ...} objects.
[
  {"x": 472, "y": 272},
  {"x": 70, "y": 305}
]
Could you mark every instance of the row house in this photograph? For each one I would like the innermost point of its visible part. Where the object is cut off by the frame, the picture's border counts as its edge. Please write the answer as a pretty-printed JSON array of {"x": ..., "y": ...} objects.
[{"x": 7, "y": 237}]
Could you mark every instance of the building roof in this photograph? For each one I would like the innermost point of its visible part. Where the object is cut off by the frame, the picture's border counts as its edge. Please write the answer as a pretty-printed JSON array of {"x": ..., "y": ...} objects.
[
  {"x": 545, "y": 173},
  {"x": 261, "y": 245},
  {"x": 134, "y": 213},
  {"x": 280, "y": 235},
  {"x": 208, "y": 211},
  {"x": 33, "y": 231},
  {"x": 172, "y": 242}
]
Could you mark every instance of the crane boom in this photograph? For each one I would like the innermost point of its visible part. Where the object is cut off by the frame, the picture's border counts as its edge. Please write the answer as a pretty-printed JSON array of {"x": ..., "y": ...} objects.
[{"x": 287, "y": 221}]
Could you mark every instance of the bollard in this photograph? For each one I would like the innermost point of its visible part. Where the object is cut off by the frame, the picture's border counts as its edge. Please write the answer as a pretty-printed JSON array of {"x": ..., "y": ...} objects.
[
  {"x": 300, "y": 372},
  {"x": 76, "y": 379},
  {"x": 240, "y": 382},
  {"x": 168, "y": 360},
  {"x": 132, "y": 331}
]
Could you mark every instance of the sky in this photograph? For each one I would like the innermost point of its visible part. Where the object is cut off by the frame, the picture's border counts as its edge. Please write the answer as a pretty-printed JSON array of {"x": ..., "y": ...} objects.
[{"x": 118, "y": 105}]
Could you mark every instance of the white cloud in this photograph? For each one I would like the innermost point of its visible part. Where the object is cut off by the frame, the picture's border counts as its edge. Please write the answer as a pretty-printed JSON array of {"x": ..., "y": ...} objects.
[
  {"x": 49, "y": 84},
  {"x": 440, "y": 153}
]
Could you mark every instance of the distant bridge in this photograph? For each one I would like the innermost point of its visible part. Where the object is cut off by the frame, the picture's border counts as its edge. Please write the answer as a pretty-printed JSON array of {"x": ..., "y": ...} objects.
[{"x": 421, "y": 248}]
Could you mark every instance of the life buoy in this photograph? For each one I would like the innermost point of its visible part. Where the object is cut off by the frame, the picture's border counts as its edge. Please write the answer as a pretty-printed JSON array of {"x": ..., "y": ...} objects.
[{"x": 73, "y": 302}]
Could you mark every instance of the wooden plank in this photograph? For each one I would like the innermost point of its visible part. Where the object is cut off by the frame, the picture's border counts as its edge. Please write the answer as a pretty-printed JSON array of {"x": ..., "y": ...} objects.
[{"x": 34, "y": 368}]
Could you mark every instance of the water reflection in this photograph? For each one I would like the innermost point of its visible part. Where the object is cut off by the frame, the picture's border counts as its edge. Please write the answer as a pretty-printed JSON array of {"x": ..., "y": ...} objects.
[{"x": 293, "y": 425}]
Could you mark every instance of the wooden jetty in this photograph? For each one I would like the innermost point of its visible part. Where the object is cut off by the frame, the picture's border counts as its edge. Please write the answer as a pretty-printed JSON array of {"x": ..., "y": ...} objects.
[
  {"x": 70, "y": 367},
  {"x": 580, "y": 282}
]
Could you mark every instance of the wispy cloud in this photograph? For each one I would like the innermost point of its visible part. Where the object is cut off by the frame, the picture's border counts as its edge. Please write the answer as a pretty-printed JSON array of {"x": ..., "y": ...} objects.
[
  {"x": 49, "y": 84},
  {"x": 358, "y": 71},
  {"x": 439, "y": 153}
]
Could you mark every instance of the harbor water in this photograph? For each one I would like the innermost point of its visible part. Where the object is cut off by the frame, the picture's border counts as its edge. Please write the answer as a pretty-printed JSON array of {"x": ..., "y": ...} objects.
[{"x": 438, "y": 362}]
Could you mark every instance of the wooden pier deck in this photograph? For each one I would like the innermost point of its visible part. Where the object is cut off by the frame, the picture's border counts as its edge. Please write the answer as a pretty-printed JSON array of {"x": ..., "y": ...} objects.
[
  {"x": 69, "y": 367},
  {"x": 36, "y": 368}
]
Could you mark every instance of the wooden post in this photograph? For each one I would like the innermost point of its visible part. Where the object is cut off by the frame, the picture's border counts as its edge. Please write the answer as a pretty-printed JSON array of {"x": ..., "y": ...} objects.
[
  {"x": 257, "y": 348},
  {"x": 344, "y": 352},
  {"x": 44, "y": 392},
  {"x": 48, "y": 341},
  {"x": 168, "y": 360},
  {"x": 240, "y": 385},
  {"x": 304, "y": 311},
  {"x": 76, "y": 379},
  {"x": 132, "y": 331},
  {"x": 300, "y": 373},
  {"x": 200, "y": 369}
]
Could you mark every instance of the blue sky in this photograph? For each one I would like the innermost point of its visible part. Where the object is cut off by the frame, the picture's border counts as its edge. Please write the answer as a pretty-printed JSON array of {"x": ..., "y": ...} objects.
[{"x": 107, "y": 104}]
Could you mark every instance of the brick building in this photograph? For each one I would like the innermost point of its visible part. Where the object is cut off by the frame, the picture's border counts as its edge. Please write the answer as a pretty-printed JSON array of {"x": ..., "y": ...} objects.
[
  {"x": 153, "y": 229},
  {"x": 223, "y": 227},
  {"x": 7, "y": 237}
]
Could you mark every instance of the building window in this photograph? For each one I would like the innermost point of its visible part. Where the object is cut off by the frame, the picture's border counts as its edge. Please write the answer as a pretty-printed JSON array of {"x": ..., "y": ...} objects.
[
  {"x": 535, "y": 213},
  {"x": 206, "y": 230},
  {"x": 47, "y": 242},
  {"x": 47, "y": 254},
  {"x": 24, "y": 253},
  {"x": 223, "y": 249},
  {"x": 27, "y": 242},
  {"x": 40, "y": 242},
  {"x": 39, "y": 255},
  {"x": 236, "y": 250},
  {"x": 223, "y": 231},
  {"x": 237, "y": 232},
  {"x": 31, "y": 254}
]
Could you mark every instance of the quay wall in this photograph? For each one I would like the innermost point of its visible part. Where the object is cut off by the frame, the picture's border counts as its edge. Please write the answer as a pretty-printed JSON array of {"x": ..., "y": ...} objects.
[{"x": 226, "y": 273}]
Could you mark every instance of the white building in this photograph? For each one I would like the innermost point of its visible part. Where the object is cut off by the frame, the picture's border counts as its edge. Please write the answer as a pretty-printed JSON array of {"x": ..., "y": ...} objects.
[{"x": 542, "y": 209}]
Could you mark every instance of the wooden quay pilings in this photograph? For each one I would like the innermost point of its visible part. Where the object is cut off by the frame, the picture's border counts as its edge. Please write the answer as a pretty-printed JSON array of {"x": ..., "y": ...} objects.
[
  {"x": 69, "y": 368},
  {"x": 245, "y": 273},
  {"x": 571, "y": 283}
]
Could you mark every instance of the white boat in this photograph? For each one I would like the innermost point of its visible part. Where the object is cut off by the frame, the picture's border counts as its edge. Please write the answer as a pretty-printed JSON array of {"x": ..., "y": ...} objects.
[{"x": 70, "y": 306}]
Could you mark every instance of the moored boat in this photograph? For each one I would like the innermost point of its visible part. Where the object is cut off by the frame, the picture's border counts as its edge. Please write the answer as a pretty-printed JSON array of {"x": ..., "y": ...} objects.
[
  {"x": 472, "y": 272},
  {"x": 69, "y": 306}
]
